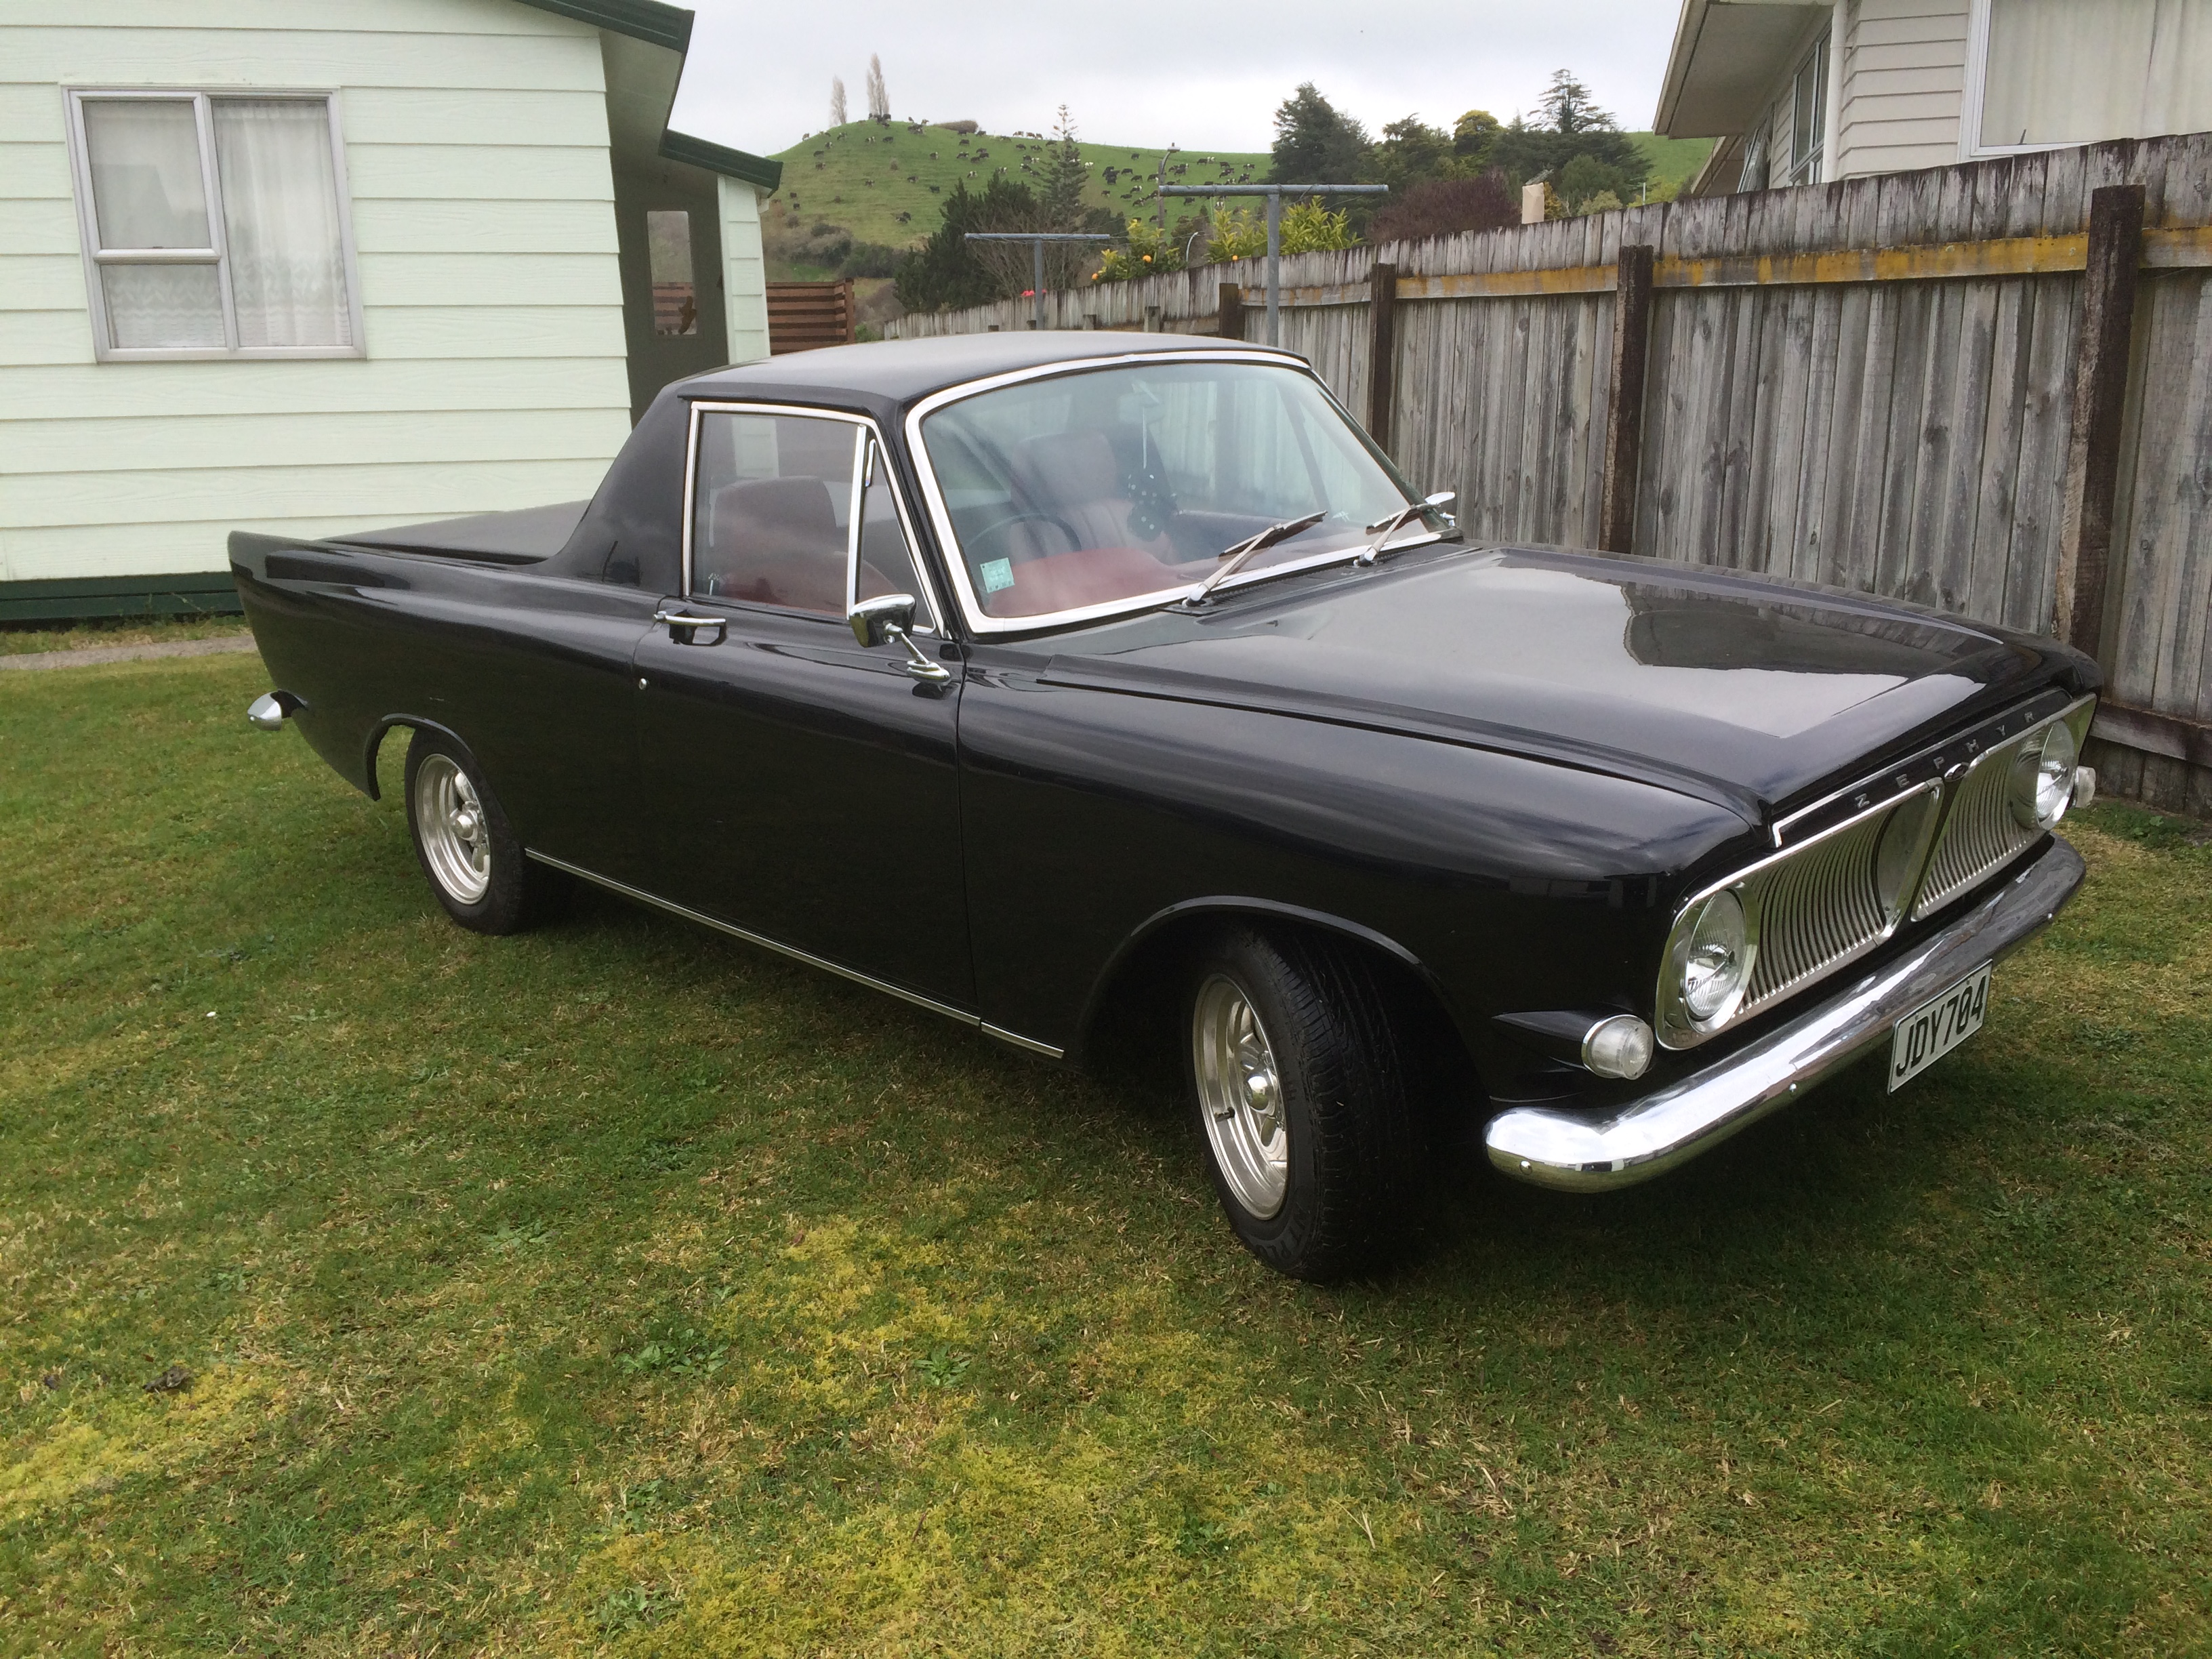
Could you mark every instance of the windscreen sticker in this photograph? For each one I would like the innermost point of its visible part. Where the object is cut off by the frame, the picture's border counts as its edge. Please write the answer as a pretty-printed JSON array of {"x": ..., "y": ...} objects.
[{"x": 997, "y": 573}]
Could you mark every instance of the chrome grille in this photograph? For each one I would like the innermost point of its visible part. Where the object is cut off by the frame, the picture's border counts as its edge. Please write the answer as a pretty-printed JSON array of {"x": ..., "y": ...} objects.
[
  {"x": 1979, "y": 832},
  {"x": 1815, "y": 909}
]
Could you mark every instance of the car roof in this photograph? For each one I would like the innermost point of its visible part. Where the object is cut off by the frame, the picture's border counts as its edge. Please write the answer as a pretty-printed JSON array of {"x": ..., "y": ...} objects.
[{"x": 900, "y": 371}]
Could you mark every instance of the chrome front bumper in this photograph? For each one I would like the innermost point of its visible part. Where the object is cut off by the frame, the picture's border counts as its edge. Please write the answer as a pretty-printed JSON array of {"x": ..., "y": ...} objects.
[{"x": 1581, "y": 1154}]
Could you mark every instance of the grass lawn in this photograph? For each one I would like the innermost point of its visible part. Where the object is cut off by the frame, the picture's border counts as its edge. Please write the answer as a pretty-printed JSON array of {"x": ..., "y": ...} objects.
[
  {"x": 620, "y": 1288},
  {"x": 20, "y": 639}
]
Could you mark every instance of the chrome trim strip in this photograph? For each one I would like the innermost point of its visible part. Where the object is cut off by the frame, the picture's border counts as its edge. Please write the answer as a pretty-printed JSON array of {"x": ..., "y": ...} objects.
[
  {"x": 1021, "y": 1042},
  {"x": 1899, "y": 776},
  {"x": 1582, "y": 1153},
  {"x": 766, "y": 944},
  {"x": 940, "y": 517},
  {"x": 867, "y": 431}
]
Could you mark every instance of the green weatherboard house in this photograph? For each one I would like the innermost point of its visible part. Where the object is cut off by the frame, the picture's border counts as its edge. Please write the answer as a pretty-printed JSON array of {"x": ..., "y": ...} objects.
[{"x": 306, "y": 268}]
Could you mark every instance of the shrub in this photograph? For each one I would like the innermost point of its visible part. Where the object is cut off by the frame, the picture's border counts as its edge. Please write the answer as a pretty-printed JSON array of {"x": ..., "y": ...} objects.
[
  {"x": 1309, "y": 227},
  {"x": 1149, "y": 252},
  {"x": 1445, "y": 207}
]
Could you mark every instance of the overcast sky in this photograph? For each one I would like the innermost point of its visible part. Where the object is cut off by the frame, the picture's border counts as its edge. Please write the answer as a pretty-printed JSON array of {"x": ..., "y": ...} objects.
[{"x": 1159, "y": 71}]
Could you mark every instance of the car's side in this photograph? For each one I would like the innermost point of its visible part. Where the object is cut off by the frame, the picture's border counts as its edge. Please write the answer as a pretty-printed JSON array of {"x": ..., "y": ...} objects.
[{"x": 753, "y": 690}]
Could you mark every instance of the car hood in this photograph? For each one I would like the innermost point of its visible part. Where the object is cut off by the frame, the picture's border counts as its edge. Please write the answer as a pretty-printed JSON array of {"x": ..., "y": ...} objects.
[{"x": 1744, "y": 691}]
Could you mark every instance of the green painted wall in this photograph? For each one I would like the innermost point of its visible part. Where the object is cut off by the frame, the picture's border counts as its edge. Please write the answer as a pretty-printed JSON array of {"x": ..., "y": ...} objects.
[{"x": 476, "y": 146}]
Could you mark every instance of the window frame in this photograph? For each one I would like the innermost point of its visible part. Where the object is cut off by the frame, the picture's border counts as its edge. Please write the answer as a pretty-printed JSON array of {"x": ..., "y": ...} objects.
[
  {"x": 866, "y": 433},
  {"x": 1811, "y": 167},
  {"x": 218, "y": 253},
  {"x": 980, "y": 623},
  {"x": 1974, "y": 96}
]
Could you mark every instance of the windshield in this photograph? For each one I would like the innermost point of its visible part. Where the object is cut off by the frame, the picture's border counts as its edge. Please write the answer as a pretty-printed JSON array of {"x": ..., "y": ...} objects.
[{"x": 1120, "y": 483}]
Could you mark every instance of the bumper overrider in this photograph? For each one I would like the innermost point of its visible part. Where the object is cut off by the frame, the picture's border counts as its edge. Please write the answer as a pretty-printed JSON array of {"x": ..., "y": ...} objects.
[{"x": 1582, "y": 1152}]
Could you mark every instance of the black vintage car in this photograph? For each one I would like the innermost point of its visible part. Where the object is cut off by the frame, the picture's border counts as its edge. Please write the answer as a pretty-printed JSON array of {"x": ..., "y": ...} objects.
[{"x": 1069, "y": 684}]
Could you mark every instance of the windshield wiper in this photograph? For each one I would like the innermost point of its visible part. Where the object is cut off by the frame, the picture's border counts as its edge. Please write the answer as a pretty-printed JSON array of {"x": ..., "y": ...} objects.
[
  {"x": 1234, "y": 558},
  {"x": 1390, "y": 525}
]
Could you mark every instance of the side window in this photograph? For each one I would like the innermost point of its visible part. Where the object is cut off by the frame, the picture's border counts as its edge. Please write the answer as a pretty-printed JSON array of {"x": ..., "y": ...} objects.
[
  {"x": 886, "y": 562},
  {"x": 771, "y": 510}
]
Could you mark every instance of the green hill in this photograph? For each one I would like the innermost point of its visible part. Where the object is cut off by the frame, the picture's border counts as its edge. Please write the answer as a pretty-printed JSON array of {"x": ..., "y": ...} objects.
[
  {"x": 1673, "y": 160},
  {"x": 883, "y": 184}
]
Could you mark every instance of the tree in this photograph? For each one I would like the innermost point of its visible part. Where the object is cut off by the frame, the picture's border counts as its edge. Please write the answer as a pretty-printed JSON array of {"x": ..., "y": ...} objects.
[
  {"x": 1063, "y": 178},
  {"x": 1410, "y": 152},
  {"x": 1473, "y": 134},
  {"x": 879, "y": 100},
  {"x": 1445, "y": 207},
  {"x": 948, "y": 271},
  {"x": 1585, "y": 178},
  {"x": 1315, "y": 144},
  {"x": 837, "y": 117},
  {"x": 1568, "y": 107},
  {"x": 1572, "y": 125}
]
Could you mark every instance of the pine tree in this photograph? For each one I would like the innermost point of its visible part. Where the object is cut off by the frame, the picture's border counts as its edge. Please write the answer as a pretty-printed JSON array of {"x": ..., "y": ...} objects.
[
  {"x": 1315, "y": 144},
  {"x": 837, "y": 116},
  {"x": 1065, "y": 175},
  {"x": 1569, "y": 107},
  {"x": 879, "y": 101}
]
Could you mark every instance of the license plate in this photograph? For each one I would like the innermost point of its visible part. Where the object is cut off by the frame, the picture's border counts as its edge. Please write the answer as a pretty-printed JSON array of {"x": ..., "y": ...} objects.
[{"x": 1929, "y": 1033}]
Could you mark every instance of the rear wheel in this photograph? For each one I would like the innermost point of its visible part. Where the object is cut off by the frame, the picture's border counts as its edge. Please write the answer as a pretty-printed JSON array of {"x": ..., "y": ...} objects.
[
  {"x": 1299, "y": 1083},
  {"x": 465, "y": 846}
]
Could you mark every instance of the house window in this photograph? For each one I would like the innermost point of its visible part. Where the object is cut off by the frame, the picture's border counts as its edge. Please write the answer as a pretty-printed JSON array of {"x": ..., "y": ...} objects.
[
  {"x": 214, "y": 226},
  {"x": 2044, "y": 73},
  {"x": 1808, "y": 120},
  {"x": 674, "y": 293}
]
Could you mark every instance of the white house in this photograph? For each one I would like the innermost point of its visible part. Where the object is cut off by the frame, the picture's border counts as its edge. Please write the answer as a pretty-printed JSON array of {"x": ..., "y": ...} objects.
[
  {"x": 307, "y": 265},
  {"x": 1801, "y": 93}
]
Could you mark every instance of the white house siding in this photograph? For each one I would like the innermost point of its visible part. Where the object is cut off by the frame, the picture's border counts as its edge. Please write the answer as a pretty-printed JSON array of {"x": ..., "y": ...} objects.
[
  {"x": 744, "y": 270},
  {"x": 476, "y": 150},
  {"x": 1903, "y": 83}
]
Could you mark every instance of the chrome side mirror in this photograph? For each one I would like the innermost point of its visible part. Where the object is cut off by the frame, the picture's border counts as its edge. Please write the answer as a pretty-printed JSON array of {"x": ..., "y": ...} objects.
[{"x": 889, "y": 617}]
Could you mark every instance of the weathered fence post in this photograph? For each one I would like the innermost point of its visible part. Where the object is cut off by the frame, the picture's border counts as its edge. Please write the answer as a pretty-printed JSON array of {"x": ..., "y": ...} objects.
[
  {"x": 1381, "y": 350},
  {"x": 1231, "y": 327},
  {"x": 2100, "y": 383},
  {"x": 1624, "y": 410}
]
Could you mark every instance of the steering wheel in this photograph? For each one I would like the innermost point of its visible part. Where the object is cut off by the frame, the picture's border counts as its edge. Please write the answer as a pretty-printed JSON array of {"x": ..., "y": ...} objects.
[{"x": 1008, "y": 523}]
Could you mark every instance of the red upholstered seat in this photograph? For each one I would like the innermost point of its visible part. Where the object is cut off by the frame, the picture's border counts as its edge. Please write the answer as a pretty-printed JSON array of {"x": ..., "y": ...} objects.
[
  {"x": 773, "y": 541},
  {"x": 1087, "y": 576}
]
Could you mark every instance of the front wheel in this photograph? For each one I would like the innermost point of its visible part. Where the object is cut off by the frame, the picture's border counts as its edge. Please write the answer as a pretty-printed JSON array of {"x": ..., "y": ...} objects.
[
  {"x": 466, "y": 846},
  {"x": 1298, "y": 1080}
]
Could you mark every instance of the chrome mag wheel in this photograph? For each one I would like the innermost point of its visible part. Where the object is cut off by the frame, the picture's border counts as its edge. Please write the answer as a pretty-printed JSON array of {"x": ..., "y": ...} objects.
[
  {"x": 1240, "y": 1097},
  {"x": 449, "y": 819}
]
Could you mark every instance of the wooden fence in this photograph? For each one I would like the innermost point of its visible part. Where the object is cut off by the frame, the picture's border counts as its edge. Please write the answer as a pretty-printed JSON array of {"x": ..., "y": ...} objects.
[
  {"x": 804, "y": 316},
  {"x": 1985, "y": 388}
]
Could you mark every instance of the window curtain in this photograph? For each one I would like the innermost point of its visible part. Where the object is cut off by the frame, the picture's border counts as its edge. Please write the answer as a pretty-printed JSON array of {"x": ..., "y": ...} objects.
[
  {"x": 280, "y": 213},
  {"x": 2075, "y": 72},
  {"x": 147, "y": 192}
]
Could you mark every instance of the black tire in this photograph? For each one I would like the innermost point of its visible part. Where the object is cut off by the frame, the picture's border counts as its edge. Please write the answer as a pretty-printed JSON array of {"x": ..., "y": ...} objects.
[
  {"x": 1351, "y": 1173},
  {"x": 514, "y": 893}
]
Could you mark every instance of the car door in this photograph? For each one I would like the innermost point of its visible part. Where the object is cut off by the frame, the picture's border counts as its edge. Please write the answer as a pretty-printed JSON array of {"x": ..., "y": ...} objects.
[{"x": 803, "y": 787}]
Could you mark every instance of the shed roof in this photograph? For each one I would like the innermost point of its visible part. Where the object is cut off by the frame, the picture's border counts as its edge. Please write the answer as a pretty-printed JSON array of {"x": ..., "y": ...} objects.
[{"x": 645, "y": 44}]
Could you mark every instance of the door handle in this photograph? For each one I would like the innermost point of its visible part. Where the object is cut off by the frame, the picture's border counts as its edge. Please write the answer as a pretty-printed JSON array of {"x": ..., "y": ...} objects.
[{"x": 677, "y": 619}]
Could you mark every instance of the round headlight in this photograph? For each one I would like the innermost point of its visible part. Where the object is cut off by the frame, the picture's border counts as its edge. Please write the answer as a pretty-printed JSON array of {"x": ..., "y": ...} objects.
[
  {"x": 2043, "y": 777},
  {"x": 1717, "y": 961},
  {"x": 1904, "y": 842}
]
